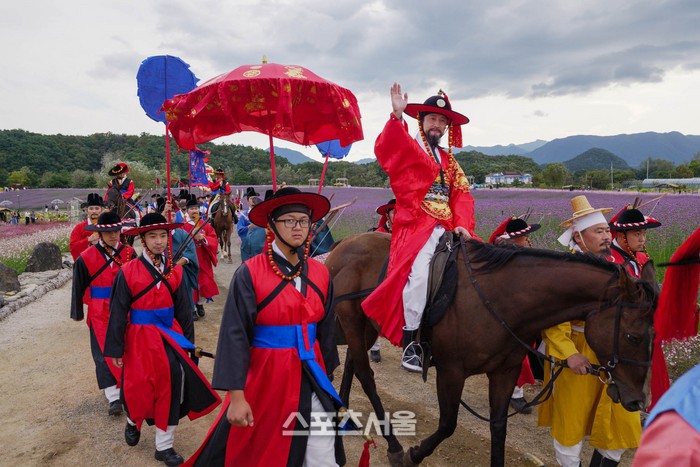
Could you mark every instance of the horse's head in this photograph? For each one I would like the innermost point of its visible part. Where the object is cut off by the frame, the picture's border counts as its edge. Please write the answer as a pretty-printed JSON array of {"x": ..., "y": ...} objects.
[
  {"x": 112, "y": 197},
  {"x": 621, "y": 333}
]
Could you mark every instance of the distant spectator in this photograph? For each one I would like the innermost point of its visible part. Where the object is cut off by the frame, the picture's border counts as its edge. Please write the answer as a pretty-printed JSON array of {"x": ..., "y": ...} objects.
[
  {"x": 27, "y": 215},
  {"x": 33, "y": 217}
]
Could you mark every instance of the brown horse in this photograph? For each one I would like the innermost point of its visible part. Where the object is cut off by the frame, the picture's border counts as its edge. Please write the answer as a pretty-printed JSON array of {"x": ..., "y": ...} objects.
[
  {"x": 223, "y": 224},
  {"x": 545, "y": 288}
]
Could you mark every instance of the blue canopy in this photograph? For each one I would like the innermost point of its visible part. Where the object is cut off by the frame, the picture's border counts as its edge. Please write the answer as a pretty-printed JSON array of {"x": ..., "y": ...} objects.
[
  {"x": 334, "y": 149},
  {"x": 160, "y": 78}
]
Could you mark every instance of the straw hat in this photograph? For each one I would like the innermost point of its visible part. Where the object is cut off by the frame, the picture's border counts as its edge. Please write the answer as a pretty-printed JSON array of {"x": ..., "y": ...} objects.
[{"x": 582, "y": 207}]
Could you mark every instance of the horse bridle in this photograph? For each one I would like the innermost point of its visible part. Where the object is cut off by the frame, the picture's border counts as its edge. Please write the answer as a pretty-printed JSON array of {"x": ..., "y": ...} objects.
[{"x": 616, "y": 358}]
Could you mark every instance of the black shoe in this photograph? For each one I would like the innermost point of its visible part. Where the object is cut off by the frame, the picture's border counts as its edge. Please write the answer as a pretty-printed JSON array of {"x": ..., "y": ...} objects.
[
  {"x": 169, "y": 456},
  {"x": 195, "y": 317},
  {"x": 375, "y": 356},
  {"x": 115, "y": 407},
  {"x": 131, "y": 434},
  {"x": 200, "y": 310},
  {"x": 518, "y": 403}
]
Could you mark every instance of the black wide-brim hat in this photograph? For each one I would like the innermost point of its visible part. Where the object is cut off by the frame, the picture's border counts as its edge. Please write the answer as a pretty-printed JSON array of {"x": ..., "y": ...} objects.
[
  {"x": 632, "y": 219},
  {"x": 436, "y": 105},
  {"x": 318, "y": 205},
  {"x": 107, "y": 222},
  {"x": 94, "y": 199},
  {"x": 119, "y": 169},
  {"x": 384, "y": 208},
  {"x": 153, "y": 221},
  {"x": 250, "y": 191},
  {"x": 192, "y": 202}
]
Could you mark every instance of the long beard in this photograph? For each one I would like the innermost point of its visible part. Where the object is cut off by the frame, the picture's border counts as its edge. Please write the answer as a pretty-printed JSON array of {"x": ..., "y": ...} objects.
[{"x": 433, "y": 139}]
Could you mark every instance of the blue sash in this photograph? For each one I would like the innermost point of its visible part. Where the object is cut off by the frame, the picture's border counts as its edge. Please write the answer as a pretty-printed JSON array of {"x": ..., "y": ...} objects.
[
  {"x": 162, "y": 318},
  {"x": 100, "y": 292},
  {"x": 292, "y": 337}
]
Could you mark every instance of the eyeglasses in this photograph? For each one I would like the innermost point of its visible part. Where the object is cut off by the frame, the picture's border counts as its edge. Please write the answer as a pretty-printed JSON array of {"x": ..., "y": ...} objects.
[{"x": 291, "y": 223}]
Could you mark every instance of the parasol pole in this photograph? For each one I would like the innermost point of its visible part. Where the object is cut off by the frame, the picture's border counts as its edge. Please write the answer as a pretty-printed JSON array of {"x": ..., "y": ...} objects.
[
  {"x": 272, "y": 162},
  {"x": 167, "y": 180},
  {"x": 323, "y": 173}
]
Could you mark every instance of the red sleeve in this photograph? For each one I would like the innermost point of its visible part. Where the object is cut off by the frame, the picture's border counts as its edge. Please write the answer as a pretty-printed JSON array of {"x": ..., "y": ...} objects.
[
  {"x": 129, "y": 191},
  {"x": 211, "y": 247},
  {"x": 78, "y": 241},
  {"x": 669, "y": 440},
  {"x": 228, "y": 188}
]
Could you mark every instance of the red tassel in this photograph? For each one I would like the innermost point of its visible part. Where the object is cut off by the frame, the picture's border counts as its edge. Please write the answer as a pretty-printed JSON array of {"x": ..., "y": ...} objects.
[{"x": 364, "y": 458}]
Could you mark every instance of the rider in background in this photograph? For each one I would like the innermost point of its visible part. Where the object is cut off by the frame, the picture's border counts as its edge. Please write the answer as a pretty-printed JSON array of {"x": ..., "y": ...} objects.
[
  {"x": 124, "y": 184},
  {"x": 580, "y": 405},
  {"x": 218, "y": 187}
]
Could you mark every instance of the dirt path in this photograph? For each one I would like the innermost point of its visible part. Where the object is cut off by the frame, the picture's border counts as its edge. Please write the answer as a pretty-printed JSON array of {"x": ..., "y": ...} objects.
[{"x": 53, "y": 413}]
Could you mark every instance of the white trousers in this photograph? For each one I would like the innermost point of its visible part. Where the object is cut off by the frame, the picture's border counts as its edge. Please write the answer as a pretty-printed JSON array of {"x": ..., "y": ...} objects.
[
  {"x": 415, "y": 293},
  {"x": 320, "y": 447},
  {"x": 112, "y": 393},
  {"x": 570, "y": 456},
  {"x": 518, "y": 392},
  {"x": 376, "y": 345}
]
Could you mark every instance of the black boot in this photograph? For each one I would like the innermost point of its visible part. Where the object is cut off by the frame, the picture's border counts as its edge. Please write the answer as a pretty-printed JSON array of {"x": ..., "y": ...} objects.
[
  {"x": 412, "y": 359},
  {"x": 599, "y": 461},
  {"x": 200, "y": 310},
  {"x": 375, "y": 356},
  {"x": 195, "y": 316}
]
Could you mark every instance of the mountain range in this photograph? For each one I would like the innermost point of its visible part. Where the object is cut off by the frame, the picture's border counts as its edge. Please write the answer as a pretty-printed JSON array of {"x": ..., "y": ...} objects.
[{"x": 632, "y": 148}]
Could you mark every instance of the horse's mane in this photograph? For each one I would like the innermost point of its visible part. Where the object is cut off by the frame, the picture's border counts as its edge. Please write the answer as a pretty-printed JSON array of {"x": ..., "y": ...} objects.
[{"x": 491, "y": 258}]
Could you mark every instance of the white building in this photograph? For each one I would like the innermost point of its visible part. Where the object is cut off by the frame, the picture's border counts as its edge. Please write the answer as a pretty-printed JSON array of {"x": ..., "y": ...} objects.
[{"x": 507, "y": 178}]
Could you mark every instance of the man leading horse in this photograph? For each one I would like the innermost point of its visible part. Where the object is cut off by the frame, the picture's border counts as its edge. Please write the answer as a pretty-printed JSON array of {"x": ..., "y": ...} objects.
[{"x": 432, "y": 197}]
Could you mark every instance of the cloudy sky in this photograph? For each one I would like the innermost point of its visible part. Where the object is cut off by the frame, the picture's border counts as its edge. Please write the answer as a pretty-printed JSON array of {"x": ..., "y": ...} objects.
[{"x": 520, "y": 69}]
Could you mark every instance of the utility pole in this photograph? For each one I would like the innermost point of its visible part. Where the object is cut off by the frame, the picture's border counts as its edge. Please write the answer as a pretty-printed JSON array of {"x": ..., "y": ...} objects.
[{"x": 612, "y": 182}]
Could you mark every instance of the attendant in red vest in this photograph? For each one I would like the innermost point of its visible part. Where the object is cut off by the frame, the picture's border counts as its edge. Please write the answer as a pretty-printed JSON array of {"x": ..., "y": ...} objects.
[
  {"x": 149, "y": 334},
  {"x": 80, "y": 237},
  {"x": 516, "y": 231},
  {"x": 93, "y": 274},
  {"x": 276, "y": 348},
  {"x": 629, "y": 228},
  {"x": 207, "y": 248},
  {"x": 432, "y": 197}
]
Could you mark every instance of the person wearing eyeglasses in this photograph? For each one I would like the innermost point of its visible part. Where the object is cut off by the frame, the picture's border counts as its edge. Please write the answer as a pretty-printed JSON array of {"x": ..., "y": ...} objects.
[{"x": 277, "y": 347}]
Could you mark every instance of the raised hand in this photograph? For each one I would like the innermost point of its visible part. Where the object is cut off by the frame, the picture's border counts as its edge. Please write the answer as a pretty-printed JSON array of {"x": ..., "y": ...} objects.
[{"x": 398, "y": 101}]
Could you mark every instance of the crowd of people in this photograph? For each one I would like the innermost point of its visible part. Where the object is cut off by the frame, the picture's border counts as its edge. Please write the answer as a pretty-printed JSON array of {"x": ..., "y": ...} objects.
[{"x": 278, "y": 321}]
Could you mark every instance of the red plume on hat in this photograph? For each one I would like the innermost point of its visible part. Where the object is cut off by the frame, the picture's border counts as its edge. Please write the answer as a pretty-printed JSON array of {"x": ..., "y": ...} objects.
[{"x": 500, "y": 230}]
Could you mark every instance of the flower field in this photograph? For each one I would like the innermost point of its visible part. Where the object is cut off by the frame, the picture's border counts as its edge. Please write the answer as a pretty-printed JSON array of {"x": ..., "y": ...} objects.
[{"x": 18, "y": 241}]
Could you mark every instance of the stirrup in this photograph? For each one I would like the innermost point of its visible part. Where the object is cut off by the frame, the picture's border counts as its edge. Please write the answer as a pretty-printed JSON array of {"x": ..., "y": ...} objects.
[{"x": 413, "y": 363}]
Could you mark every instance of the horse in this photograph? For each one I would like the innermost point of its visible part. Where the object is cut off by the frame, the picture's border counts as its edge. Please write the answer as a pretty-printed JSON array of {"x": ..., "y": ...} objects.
[
  {"x": 223, "y": 225},
  {"x": 129, "y": 215},
  {"x": 546, "y": 288}
]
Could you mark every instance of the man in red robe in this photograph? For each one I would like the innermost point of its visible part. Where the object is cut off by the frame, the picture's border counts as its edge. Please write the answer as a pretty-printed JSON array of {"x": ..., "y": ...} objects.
[
  {"x": 432, "y": 197},
  {"x": 93, "y": 274},
  {"x": 80, "y": 237},
  {"x": 207, "y": 247},
  {"x": 276, "y": 348},
  {"x": 149, "y": 334},
  {"x": 218, "y": 187}
]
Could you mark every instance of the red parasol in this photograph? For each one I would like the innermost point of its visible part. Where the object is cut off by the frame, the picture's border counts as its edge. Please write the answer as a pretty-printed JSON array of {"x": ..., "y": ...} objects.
[{"x": 282, "y": 101}]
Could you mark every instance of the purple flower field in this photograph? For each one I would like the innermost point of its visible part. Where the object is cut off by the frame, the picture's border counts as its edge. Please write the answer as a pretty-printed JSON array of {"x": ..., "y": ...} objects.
[{"x": 679, "y": 214}]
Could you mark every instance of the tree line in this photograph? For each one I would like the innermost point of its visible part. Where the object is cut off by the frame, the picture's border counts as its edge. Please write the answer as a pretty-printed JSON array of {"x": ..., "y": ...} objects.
[{"x": 65, "y": 161}]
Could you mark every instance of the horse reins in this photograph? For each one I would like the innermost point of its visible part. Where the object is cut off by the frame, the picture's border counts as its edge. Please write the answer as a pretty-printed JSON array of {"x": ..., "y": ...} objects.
[{"x": 558, "y": 366}]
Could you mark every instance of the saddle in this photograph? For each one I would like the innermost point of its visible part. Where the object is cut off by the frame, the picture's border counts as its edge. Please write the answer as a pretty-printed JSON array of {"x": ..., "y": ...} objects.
[{"x": 442, "y": 285}]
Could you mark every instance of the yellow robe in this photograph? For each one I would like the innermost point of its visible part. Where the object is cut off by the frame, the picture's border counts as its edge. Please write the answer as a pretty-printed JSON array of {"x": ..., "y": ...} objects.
[{"x": 579, "y": 405}]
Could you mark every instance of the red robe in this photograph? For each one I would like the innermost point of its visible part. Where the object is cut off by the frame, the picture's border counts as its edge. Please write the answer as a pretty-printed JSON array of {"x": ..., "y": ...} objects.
[
  {"x": 412, "y": 172},
  {"x": 149, "y": 350},
  {"x": 272, "y": 379},
  {"x": 79, "y": 239},
  {"x": 95, "y": 294},
  {"x": 659, "y": 372},
  {"x": 206, "y": 256}
]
